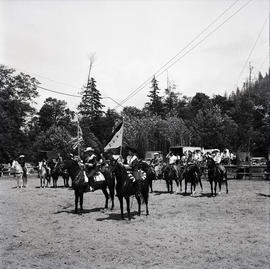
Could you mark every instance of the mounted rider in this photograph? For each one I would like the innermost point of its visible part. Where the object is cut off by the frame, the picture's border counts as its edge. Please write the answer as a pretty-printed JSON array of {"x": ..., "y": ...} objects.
[
  {"x": 132, "y": 165},
  {"x": 92, "y": 167},
  {"x": 172, "y": 159}
]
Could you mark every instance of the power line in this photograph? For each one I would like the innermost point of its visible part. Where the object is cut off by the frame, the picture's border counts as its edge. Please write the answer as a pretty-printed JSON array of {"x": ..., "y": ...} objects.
[
  {"x": 143, "y": 85},
  {"x": 62, "y": 93},
  {"x": 196, "y": 37},
  {"x": 251, "y": 51}
]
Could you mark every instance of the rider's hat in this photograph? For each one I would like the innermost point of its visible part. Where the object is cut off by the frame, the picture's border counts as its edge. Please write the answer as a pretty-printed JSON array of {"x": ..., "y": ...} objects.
[
  {"x": 156, "y": 153},
  {"x": 21, "y": 156},
  {"x": 89, "y": 149}
]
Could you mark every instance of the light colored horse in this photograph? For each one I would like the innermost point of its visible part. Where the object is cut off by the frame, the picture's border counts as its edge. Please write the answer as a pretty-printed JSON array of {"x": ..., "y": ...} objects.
[
  {"x": 18, "y": 171},
  {"x": 43, "y": 175}
]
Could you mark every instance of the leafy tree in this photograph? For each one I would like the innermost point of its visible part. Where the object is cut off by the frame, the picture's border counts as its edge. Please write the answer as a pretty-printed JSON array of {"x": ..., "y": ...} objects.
[
  {"x": 199, "y": 101},
  {"x": 17, "y": 93},
  {"x": 55, "y": 112},
  {"x": 212, "y": 129}
]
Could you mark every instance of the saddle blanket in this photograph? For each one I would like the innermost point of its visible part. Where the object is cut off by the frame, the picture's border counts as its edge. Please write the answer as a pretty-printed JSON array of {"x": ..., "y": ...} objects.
[
  {"x": 142, "y": 175},
  {"x": 98, "y": 177}
]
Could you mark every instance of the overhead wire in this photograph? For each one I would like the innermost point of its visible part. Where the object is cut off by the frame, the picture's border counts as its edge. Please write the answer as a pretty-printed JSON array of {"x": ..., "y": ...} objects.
[
  {"x": 158, "y": 73},
  {"x": 252, "y": 49}
]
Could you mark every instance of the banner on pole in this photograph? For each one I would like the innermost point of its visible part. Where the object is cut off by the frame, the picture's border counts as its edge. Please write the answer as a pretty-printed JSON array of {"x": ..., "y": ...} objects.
[{"x": 116, "y": 138}]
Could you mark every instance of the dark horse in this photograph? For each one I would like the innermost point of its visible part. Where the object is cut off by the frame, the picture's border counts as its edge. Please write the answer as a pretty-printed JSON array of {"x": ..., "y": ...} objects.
[
  {"x": 80, "y": 186},
  {"x": 192, "y": 175},
  {"x": 126, "y": 188},
  {"x": 169, "y": 175},
  {"x": 216, "y": 173},
  {"x": 150, "y": 173},
  {"x": 56, "y": 171}
]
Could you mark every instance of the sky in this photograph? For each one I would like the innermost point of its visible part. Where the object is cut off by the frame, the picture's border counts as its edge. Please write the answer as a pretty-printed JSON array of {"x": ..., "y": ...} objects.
[{"x": 130, "y": 41}]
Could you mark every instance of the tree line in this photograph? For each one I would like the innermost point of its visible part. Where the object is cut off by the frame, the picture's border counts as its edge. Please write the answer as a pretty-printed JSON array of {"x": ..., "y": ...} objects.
[{"x": 239, "y": 121}]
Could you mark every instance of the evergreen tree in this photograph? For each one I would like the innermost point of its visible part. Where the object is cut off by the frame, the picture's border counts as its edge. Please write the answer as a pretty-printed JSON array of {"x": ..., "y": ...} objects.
[
  {"x": 155, "y": 105},
  {"x": 90, "y": 105}
]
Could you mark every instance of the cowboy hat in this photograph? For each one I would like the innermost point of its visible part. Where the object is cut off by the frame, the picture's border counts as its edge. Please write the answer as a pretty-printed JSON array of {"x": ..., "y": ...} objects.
[
  {"x": 89, "y": 149},
  {"x": 21, "y": 156},
  {"x": 156, "y": 153}
]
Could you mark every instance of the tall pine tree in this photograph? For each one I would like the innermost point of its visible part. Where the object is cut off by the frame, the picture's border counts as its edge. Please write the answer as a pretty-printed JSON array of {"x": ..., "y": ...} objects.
[
  {"x": 91, "y": 106},
  {"x": 155, "y": 105}
]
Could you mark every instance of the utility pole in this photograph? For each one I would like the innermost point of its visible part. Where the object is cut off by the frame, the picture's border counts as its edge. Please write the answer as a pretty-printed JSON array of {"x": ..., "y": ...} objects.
[{"x": 249, "y": 78}]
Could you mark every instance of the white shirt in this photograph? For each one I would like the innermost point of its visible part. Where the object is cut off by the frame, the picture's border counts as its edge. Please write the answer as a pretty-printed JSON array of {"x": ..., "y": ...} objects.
[{"x": 172, "y": 159}]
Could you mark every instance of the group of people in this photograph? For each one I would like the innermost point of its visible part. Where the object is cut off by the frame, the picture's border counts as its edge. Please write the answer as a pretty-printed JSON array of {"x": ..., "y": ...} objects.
[{"x": 92, "y": 163}]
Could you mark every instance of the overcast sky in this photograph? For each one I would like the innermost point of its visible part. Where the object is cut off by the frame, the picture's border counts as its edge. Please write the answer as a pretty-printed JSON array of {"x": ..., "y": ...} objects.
[{"x": 131, "y": 40}]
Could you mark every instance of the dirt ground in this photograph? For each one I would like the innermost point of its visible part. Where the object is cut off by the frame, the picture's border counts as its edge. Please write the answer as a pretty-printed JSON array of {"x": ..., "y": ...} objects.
[{"x": 40, "y": 230}]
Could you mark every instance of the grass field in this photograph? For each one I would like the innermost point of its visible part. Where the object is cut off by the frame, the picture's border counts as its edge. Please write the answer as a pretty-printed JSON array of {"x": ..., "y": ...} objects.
[{"x": 40, "y": 230}]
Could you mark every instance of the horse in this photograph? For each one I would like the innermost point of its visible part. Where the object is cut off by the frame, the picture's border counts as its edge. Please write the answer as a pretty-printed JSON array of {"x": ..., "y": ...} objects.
[
  {"x": 44, "y": 175},
  {"x": 169, "y": 174},
  {"x": 192, "y": 175},
  {"x": 18, "y": 172},
  {"x": 126, "y": 188},
  {"x": 150, "y": 173},
  {"x": 56, "y": 171},
  {"x": 216, "y": 173},
  {"x": 80, "y": 186},
  {"x": 65, "y": 176}
]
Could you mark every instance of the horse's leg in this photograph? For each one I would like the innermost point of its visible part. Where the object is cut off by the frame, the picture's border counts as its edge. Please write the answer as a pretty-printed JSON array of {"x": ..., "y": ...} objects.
[
  {"x": 104, "y": 190},
  {"x": 128, "y": 207},
  {"x": 177, "y": 185},
  {"x": 211, "y": 185},
  {"x": 168, "y": 185},
  {"x": 185, "y": 186},
  {"x": 200, "y": 182},
  {"x": 219, "y": 185},
  {"x": 226, "y": 184},
  {"x": 81, "y": 201},
  {"x": 171, "y": 183},
  {"x": 76, "y": 200},
  {"x": 151, "y": 185},
  {"x": 215, "y": 187},
  {"x": 111, "y": 190},
  {"x": 121, "y": 206},
  {"x": 139, "y": 203}
]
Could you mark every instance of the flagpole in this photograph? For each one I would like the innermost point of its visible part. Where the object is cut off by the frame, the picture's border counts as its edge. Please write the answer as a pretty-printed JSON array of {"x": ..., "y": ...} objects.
[
  {"x": 79, "y": 147},
  {"x": 121, "y": 148}
]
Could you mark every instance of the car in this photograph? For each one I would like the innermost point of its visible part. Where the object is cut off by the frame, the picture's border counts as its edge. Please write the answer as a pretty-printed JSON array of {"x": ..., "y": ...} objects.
[{"x": 258, "y": 161}]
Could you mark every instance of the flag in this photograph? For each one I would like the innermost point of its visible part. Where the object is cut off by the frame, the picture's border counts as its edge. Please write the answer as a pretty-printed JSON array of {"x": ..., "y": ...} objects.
[
  {"x": 116, "y": 138},
  {"x": 75, "y": 141}
]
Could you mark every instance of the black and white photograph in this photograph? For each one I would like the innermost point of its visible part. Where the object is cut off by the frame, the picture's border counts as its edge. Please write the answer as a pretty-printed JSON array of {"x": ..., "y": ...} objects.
[{"x": 134, "y": 134}]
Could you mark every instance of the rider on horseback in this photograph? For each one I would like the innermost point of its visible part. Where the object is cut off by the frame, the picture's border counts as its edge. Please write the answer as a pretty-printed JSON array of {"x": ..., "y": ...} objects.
[
  {"x": 132, "y": 164},
  {"x": 172, "y": 161}
]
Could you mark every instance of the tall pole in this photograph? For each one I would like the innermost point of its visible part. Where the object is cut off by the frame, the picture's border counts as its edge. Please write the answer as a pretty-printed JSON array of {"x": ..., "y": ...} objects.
[
  {"x": 78, "y": 139},
  {"x": 121, "y": 148}
]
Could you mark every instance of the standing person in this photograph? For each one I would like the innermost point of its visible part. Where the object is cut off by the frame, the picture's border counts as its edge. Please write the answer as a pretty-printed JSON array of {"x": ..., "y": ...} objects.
[{"x": 21, "y": 161}]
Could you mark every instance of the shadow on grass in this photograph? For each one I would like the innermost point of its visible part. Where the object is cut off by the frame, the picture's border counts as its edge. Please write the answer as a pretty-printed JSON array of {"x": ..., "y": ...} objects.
[
  {"x": 85, "y": 211},
  {"x": 263, "y": 195},
  {"x": 115, "y": 216},
  {"x": 160, "y": 192}
]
